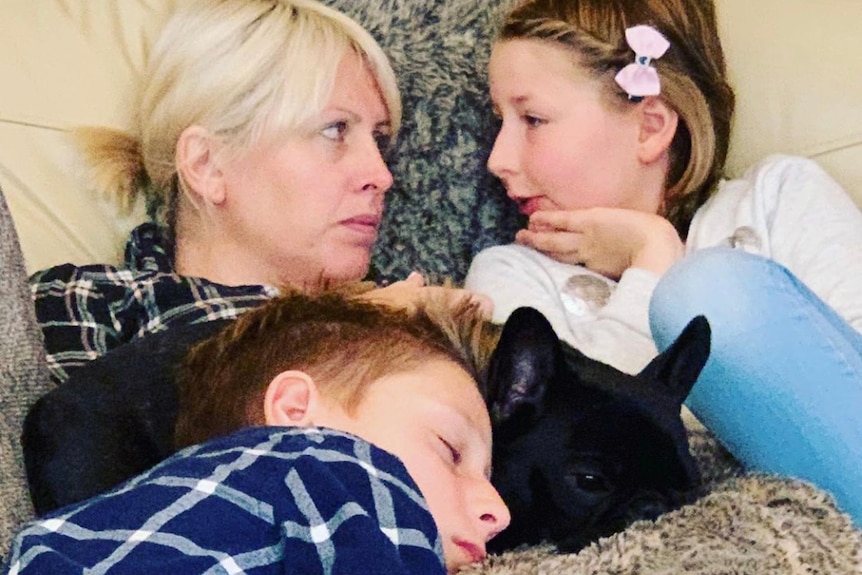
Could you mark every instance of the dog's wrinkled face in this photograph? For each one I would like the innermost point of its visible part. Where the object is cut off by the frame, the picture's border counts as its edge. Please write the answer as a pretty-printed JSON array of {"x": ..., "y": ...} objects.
[{"x": 581, "y": 449}]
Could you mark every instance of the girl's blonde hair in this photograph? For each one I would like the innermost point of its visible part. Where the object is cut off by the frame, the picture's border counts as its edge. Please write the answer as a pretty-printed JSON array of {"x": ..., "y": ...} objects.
[
  {"x": 692, "y": 72},
  {"x": 246, "y": 70}
]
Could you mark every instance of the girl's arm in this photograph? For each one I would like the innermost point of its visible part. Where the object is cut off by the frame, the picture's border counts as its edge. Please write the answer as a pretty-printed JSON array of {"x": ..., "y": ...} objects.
[
  {"x": 815, "y": 230},
  {"x": 616, "y": 333}
]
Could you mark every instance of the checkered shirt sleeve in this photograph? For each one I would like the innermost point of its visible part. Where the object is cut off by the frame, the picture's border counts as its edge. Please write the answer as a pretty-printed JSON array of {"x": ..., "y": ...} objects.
[
  {"x": 263, "y": 500},
  {"x": 84, "y": 311}
]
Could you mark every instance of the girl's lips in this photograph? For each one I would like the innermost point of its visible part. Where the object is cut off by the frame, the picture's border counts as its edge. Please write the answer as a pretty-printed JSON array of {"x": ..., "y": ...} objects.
[
  {"x": 474, "y": 552},
  {"x": 528, "y": 206}
]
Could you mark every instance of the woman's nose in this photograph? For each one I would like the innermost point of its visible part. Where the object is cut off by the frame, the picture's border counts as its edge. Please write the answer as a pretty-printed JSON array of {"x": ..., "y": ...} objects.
[{"x": 375, "y": 173}]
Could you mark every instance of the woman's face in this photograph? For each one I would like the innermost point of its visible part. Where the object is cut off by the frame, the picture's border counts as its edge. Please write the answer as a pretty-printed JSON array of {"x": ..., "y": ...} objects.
[
  {"x": 308, "y": 206},
  {"x": 560, "y": 146}
]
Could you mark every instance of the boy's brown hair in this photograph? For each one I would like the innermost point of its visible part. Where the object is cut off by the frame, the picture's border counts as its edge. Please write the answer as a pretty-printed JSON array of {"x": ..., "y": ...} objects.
[{"x": 343, "y": 342}]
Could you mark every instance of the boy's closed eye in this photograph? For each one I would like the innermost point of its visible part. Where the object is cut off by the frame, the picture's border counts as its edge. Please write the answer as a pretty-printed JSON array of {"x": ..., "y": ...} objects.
[{"x": 450, "y": 451}]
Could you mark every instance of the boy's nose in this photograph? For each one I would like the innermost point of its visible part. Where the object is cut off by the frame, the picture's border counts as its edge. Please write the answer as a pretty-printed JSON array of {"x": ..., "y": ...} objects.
[{"x": 494, "y": 514}]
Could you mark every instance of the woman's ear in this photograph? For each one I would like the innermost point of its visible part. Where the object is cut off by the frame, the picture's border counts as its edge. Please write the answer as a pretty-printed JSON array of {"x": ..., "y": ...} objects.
[
  {"x": 196, "y": 158},
  {"x": 658, "y": 123},
  {"x": 291, "y": 399}
]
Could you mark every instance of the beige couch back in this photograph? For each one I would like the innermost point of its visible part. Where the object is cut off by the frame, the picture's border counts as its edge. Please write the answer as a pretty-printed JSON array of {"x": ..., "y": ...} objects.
[{"x": 796, "y": 66}]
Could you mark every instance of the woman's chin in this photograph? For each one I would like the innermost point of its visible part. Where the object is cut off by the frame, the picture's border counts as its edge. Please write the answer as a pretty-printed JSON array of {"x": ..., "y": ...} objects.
[{"x": 350, "y": 266}]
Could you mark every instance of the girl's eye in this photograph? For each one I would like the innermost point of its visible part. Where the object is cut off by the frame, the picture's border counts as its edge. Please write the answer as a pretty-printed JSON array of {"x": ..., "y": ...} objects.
[
  {"x": 335, "y": 130},
  {"x": 454, "y": 454}
]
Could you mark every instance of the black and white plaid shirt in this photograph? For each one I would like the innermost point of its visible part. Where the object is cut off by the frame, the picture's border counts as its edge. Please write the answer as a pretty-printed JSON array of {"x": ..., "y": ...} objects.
[
  {"x": 263, "y": 500},
  {"x": 84, "y": 311}
]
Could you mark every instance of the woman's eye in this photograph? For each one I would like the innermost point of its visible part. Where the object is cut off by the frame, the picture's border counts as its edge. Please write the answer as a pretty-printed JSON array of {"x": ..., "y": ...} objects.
[
  {"x": 383, "y": 141},
  {"x": 454, "y": 454},
  {"x": 533, "y": 121},
  {"x": 335, "y": 131}
]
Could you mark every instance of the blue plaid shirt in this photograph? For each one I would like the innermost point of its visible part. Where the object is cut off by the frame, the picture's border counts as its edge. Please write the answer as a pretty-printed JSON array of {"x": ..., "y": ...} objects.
[
  {"x": 262, "y": 500},
  {"x": 84, "y": 311}
]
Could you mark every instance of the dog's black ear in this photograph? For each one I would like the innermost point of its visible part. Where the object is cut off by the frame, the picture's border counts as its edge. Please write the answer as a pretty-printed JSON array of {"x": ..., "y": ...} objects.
[
  {"x": 679, "y": 365},
  {"x": 525, "y": 360}
]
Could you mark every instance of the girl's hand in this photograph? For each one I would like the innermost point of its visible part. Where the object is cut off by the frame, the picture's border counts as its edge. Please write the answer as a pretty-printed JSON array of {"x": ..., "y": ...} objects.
[
  {"x": 605, "y": 240},
  {"x": 409, "y": 293}
]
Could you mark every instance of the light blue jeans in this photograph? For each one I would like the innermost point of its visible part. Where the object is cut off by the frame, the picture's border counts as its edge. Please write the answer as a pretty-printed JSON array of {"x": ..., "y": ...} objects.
[{"x": 782, "y": 388}]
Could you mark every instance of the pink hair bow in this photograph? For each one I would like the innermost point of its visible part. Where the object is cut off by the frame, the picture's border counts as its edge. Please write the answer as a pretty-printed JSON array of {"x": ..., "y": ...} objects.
[{"x": 640, "y": 79}]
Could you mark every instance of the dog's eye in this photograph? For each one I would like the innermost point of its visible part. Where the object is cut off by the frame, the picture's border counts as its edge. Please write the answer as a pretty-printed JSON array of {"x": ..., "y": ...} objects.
[{"x": 589, "y": 482}]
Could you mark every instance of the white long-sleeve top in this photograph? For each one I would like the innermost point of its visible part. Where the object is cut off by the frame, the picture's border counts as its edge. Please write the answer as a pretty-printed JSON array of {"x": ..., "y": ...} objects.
[{"x": 784, "y": 208}]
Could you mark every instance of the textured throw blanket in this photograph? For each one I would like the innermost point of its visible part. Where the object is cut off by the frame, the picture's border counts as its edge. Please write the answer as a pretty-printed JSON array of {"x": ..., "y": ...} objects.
[{"x": 744, "y": 524}]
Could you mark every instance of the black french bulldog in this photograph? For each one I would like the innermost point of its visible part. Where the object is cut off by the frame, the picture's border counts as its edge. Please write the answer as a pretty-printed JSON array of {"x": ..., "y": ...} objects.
[
  {"x": 581, "y": 449},
  {"x": 113, "y": 419}
]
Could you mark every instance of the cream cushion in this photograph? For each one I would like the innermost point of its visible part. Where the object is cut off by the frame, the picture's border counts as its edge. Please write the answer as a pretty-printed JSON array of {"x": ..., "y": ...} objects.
[
  {"x": 797, "y": 68},
  {"x": 795, "y": 64}
]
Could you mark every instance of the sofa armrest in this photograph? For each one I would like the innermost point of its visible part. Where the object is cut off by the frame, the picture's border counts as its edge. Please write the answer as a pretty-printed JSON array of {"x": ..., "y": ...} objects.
[{"x": 23, "y": 377}]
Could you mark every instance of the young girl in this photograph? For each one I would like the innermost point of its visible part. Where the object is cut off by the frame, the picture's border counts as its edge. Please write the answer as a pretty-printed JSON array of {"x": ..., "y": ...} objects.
[
  {"x": 615, "y": 122},
  {"x": 257, "y": 142}
]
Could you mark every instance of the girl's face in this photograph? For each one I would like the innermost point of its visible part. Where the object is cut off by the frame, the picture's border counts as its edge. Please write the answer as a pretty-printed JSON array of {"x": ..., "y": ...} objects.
[
  {"x": 308, "y": 206},
  {"x": 560, "y": 146}
]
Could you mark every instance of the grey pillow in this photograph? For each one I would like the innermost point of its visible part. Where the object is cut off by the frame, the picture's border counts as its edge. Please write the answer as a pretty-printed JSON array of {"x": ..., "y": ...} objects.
[{"x": 444, "y": 206}]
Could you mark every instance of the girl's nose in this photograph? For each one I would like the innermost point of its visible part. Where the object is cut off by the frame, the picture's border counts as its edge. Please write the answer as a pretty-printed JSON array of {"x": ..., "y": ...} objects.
[{"x": 501, "y": 160}]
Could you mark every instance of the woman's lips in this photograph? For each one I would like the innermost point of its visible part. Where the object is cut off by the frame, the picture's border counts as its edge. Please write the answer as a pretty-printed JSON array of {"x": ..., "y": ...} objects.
[{"x": 364, "y": 225}]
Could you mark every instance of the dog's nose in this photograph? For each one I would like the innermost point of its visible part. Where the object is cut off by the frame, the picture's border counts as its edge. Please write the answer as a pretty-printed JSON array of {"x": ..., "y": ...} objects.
[{"x": 648, "y": 506}]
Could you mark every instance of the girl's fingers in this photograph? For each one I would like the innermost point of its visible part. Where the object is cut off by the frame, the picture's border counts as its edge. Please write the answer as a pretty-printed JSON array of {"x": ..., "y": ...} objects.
[
  {"x": 415, "y": 279},
  {"x": 557, "y": 220},
  {"x": 549, "y": 242}
]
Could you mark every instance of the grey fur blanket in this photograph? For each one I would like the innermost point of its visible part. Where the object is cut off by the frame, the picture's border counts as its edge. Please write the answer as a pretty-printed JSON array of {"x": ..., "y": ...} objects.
[{"x": 743, "y": 524}]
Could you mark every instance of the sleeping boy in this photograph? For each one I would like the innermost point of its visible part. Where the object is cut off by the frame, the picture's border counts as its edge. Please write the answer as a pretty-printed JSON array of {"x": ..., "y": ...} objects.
[{"x": 326, "y": 434}]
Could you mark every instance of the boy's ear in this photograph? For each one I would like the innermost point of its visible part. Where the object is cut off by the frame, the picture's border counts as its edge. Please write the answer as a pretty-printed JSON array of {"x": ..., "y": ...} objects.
[
  {"x": 291, "y": 399},
  {"x": 658, "y": 127},
  {"x": 197, "y": 165}
]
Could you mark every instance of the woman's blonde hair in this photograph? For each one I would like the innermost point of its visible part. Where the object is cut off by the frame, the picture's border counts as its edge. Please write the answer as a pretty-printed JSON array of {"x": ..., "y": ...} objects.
[
  {"x": 246, "y": 70},
  {"x": 692, "y": 72}
]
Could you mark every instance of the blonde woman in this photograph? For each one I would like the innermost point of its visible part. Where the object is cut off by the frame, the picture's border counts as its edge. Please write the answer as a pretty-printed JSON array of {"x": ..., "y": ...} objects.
[{"x": 257, "y": 143}]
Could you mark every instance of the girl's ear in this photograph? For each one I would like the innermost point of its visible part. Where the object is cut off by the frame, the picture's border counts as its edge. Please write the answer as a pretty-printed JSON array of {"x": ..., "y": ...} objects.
[
  {"x": 196, "y": 158},
  {"x": 291, "y": 399},
  {"x": 658, "y": 123}
]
